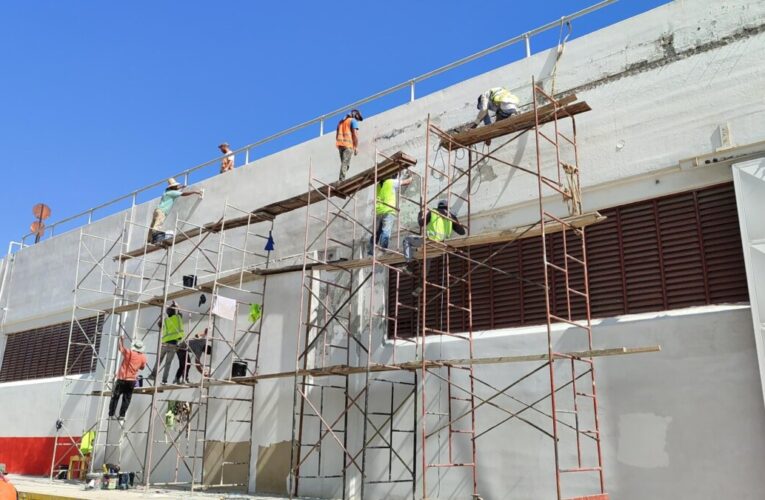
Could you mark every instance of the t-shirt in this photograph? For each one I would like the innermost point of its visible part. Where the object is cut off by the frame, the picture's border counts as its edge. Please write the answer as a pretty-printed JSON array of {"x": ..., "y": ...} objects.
[
  {"x": 227, "y": 162},
  {"x": 354, "y": 124},
  {"x": 132, "y": 363},
  {"x": 167, "y": 200}
]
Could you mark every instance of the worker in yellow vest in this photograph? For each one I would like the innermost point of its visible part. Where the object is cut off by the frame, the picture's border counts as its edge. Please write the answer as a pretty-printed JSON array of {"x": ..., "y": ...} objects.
[
  {"x": 347, "y": 140},
  {"x": 499, "y": 100},
  {"x": 386, "y": 207},
  {"x": 439, "y": 225},
  {"x": 172, "y": 333}
]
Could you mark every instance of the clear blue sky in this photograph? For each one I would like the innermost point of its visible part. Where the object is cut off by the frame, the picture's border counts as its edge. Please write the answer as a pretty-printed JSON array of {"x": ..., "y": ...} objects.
[{"x": 100, "y": 98}]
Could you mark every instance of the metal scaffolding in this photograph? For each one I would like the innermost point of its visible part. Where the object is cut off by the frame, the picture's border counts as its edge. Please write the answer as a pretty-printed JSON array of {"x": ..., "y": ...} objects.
[
  {"x": 338, "y": 358},
  {"x": 390, "y": 397},
  {"x": 142, "y": 286}
]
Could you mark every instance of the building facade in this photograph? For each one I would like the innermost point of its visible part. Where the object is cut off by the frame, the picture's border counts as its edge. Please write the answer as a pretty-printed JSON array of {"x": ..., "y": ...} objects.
[{"x": 671, "y": 153}]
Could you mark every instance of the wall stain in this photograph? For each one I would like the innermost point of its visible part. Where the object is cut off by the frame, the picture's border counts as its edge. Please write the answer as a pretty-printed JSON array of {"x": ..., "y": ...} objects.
[{"x": 670, "y": 55}]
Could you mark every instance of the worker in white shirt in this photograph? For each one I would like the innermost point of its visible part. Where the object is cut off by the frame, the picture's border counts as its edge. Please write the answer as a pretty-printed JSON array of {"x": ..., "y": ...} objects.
[{"x": 227, "y": 163}]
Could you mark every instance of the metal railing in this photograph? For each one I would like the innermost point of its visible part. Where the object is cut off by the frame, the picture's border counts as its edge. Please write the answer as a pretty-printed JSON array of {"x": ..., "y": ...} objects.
[{"x": 89, "y": 214}]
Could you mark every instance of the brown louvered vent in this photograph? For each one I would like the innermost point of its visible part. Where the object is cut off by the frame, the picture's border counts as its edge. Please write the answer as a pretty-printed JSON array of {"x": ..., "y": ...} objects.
[
  {"x": 41, "y": 352},
  {"x": 667, "y": 253}
]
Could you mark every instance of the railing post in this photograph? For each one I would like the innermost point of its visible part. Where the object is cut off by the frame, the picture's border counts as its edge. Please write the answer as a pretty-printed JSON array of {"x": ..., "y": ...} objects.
[
  {"x": 247, "y": 156},
  {"x": 411, "y": 91},
  {"x": 321, "y": 127},
  {"x": 527, "y": 39},
  {"x": 186, "y": 179},
  {"x": 90, "y": 216}
]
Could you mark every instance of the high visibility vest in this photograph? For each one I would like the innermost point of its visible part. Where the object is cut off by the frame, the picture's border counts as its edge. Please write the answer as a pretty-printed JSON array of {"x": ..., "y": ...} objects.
[
  {"x": 172, "y": 328},
  {"x": 344, "y": 137},
  {"x": 499, "y": 95},
  {"x": 86, "y": 443},
  {"x": 439, "y": 228},
  {"x": 386, "y": 197}
]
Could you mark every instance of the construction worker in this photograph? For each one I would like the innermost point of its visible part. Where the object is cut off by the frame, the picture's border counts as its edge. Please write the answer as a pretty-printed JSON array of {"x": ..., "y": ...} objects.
[
  {"x": 133, "y": 361},
  {"x": 173, "y": 191},
  {"x": 501, "y": 101},
  {"x": 385, "y": 208},
  {"x": 439, "y": 224},
  {"x": 347, "y": 140},
  {"x": 227, "y": 163},
  {"x": 171, "y": 330},
  {"x": 200, "y": 347}
]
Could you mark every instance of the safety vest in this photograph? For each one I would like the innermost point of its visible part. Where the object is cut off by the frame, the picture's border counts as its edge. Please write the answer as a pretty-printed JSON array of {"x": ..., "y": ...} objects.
[
  {"x": 344, "y": 137},
  {"x": 172, "y": 328},
  {"x": 386, "y": 197},
  {"x": 86, "y": 443},
  {"x": 439, "y": 228},
  {"x": 499, "y": 95}
]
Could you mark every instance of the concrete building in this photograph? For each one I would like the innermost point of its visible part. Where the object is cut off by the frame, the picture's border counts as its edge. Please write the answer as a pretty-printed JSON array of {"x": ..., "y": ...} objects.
[{"x": 672, "y": 152}]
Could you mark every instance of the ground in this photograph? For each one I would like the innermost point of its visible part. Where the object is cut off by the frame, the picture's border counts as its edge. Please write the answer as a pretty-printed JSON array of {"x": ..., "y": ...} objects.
[{"x": 37, "y": 488}]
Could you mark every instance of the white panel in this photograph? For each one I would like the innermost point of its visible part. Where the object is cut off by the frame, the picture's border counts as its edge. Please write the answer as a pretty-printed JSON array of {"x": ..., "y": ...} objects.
[{"x": 749, "y": 180}]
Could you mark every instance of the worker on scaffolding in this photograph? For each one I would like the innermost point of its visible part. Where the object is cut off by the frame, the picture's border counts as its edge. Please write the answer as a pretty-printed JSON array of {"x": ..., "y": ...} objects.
[
  {"x": 227, "y": 163},
  {"x": 200, "y": 347},
  {"x": 440, "y": 224},
  {"x": 173, "y": 191},
  {"x": 500, "y": 101},
  {"x": 133, "y": 361},
  {"x": 172, "y": 332},
  {"x": 386, "y": 207},
  {"x": 347, "y": 140}
]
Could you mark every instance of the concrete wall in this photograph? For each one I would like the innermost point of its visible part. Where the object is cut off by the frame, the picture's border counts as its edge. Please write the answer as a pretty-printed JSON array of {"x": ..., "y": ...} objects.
[{"x": 684, "y": 423}]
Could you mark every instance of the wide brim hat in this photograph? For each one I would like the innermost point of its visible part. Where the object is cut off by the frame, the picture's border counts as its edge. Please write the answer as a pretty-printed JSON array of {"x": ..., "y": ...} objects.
[
  {"x": 137, "y": 346},
  {"x": 171, "y": 182}
]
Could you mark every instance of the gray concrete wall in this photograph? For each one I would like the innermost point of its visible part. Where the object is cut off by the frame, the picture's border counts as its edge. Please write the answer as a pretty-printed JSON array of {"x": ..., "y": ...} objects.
[{"x": 685, "y": 423}]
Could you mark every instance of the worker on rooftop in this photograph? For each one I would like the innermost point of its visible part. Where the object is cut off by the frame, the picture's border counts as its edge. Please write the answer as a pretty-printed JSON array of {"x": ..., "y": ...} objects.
[
  {"x": 347, "y": 140},
  {"x": 133, "y": 361},
  {"x": 386, "y": 207},
  {"x": 499, "y": 100},
  {"x": 227, "y": 163},
  {"x": 173, "y": 191}
]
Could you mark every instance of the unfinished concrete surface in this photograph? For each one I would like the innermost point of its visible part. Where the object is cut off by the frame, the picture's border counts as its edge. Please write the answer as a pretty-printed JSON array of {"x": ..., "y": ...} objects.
[{"x": 686, "y": 423}]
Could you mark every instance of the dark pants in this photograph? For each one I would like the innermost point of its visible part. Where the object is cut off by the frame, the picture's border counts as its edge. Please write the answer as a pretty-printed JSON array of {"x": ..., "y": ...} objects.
[
  {"x": 345, "y": 161},
  {"x": 122, "y": 388},
  {"x": 182, "y": 354}
]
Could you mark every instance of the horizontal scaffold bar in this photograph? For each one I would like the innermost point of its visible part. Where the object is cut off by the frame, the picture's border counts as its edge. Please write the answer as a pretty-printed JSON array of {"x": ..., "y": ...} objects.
[
  {"x": 516, "y": 233},
  {"x": 341, "y": 189},
  {"x": 335, "y": 370},
  {"x": 504, "y": 236}
]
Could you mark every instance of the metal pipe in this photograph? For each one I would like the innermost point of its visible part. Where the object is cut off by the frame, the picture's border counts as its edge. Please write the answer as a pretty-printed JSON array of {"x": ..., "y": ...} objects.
[{"x": 525, "y": 37}]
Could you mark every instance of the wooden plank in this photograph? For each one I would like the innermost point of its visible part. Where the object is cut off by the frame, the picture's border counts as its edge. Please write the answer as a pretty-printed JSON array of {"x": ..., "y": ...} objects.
[
  {"x": 527, "y": 231},
  {"x": 516, "y": 123},
  {"x": 335, "y": 370},
  {"x": 516, "y": 233},
  {"x": 342, "y": 189}
]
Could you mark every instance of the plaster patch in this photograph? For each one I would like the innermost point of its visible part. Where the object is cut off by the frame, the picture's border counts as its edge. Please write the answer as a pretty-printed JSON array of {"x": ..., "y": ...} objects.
[{"x": 642, "y": 440}]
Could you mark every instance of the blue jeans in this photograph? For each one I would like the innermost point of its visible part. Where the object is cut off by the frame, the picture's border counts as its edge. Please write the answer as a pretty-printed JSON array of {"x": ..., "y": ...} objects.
[{"x": 384, "y": 229}]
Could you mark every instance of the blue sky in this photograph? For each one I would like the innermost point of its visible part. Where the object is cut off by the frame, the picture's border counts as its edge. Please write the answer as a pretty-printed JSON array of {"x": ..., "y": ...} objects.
[{"x": 100, "y": 98}]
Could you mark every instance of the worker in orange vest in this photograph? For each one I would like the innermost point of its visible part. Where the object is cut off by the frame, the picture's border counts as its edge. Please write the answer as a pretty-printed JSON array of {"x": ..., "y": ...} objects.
[{"x": 347, "y": 140}]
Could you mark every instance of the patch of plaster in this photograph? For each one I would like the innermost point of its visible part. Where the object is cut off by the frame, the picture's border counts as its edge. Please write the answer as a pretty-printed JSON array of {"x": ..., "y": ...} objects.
[
  {"x": 642, "y": 440},
  {"x": 669, "y": 56}
]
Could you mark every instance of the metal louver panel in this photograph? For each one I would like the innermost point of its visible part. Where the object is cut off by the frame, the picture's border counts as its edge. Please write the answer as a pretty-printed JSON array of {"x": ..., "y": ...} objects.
[
  {"x": 666, "y": 253},
  {"x": 41, "y": 352}
]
